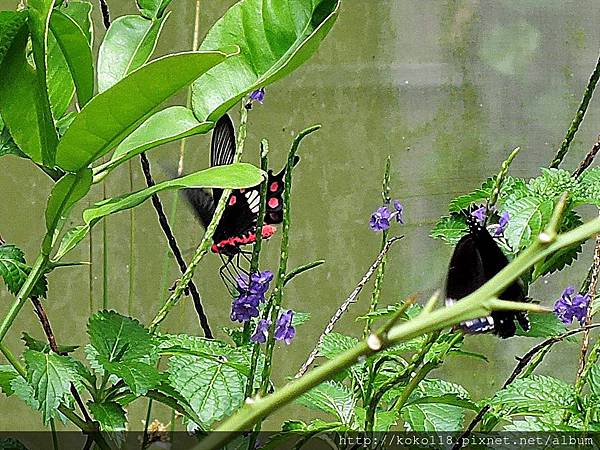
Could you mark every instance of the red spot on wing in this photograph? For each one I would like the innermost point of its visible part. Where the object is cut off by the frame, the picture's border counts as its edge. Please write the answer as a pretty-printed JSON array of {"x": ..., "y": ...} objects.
[
  {"x": 273, "y": 202},
  {"x": 274, "y": 186},
  {"x": 232, "y": 200}
]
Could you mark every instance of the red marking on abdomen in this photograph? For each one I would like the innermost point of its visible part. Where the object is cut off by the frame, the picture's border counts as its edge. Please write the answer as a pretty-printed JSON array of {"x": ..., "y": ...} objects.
[
  {"x": 273, "y": 202},
  {"x": 231, "y": 245}
]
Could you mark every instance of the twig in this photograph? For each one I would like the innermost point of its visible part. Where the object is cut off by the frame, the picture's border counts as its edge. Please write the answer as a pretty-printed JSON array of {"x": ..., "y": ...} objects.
[
  {"x": 522, "y": 363},
  {"x": 105, "y": 14},
  {"x": 585, "y": 342},
  {"x": 164, "y": 224},
  {"x": 588, "y": 160},
  {"x": 346, "y": 304},
  {"x": 585, "y": 101}
]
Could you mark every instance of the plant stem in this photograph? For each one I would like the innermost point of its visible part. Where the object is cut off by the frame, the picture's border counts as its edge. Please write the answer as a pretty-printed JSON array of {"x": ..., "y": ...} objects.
[
  {"x": 588, "y": 160},
  {"x": 478, "y": 304},
  {"x": 585, "y": 101},
  {"x": 385, "y": 194},
  {"x": 131, "y": 293},
  {"x": 91, "y": 272},
  {"x": 301, "y": 269},
  {"x": 346, "y": 304},
  {"x": 283, "y": 258},
  {"x": 54, "y": 435},
  {"x": 105, "y": 285}
]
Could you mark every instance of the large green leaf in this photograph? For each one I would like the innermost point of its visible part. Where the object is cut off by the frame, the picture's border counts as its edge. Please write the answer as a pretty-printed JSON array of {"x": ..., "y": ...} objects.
[
  {"x": 588, "y": 188},
  {"x": 528, "y": 217},
  {"x": 450, "y": 229},
  {"x": 333, "y": 398},
  {"x": 110, "y": 415},
  {"x": 61, "y": 87},
  {"x": 77, "y": 52},
  {"x": 275, "y": 37},
  {"x": 7, "y": 144},
  {"x": 7, "y": 374},
  {"x": 51, "y": 376},
  {"x": 152, "y": 8},
  {"x": 168, "y": 125},
  {"x": 335, "y": 343},
  {"x": 233, "y": 176},
  {"x": 69, "y": 190},
  {"x": 18, "y": 88},
  {"x": 39, "y": 23},
  {"x": 111, "y": 116},
  {"x": 81, "y": 13},
  {"x": 127, "y": 45},
  {"x": 10, "y": 24},
  {"x": 543, "y": 325},
  {"x": 14, "y": 271}
]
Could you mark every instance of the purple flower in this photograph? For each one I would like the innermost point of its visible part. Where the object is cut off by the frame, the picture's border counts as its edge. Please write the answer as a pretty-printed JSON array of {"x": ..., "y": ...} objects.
[
  {"x": 380, "y": 219},
  {"x": 258, "y": 284},
  {"x": 399, "y": 211},
  {"x": 569, "y": 307},
  {"x": 260, "y": 335},
  {"x": 480, "y": 214},
  {"x": 258, "y": 95},
  {"x": 245, "y": 307},
  {"x": 284, "y": 330},
  {"x": 502, "y": 223}
]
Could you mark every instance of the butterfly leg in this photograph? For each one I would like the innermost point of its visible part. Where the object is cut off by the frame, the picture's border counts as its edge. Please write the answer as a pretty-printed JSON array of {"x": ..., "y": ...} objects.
[{"x": 228, "y": 278}]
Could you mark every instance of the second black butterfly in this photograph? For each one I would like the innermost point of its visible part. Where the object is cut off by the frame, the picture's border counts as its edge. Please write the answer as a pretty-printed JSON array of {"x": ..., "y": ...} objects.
[{"x": 476, "y": 259}]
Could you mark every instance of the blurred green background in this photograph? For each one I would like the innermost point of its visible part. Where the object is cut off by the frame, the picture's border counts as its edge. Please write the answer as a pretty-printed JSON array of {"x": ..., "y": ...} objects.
[{"x": 447, "y": 88}]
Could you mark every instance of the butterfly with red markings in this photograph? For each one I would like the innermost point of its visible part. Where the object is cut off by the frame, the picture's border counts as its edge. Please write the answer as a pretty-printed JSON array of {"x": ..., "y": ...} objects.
[
  {"x": 476, "y": 259},
  {"x": 237, "y": 226}
]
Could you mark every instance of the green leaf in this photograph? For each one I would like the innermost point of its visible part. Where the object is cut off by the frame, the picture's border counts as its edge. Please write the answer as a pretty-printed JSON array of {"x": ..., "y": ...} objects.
[
  {"x": 51, "y": 376},
  {"x": 111, "y": 116},
  {"x": 449, "y": 229},
  {"x": 588, "y": 188},
  {"x": 152, "y": 9},
  {"x": 61, "y": 87},
  {"x": 118, "y": 338},
  {"x": 528, "y": 218},
  {"x": 7, "y": 144},
  {"x": 168, "y": 125},
  {"x": 299, "y": 318},
  {"x": 77, "y": 52},
  {"x": 25, "y": 392},
  {"x": 127, "y": 45},
  {"x": 14, "y": 271},
  {"x": 435, "y": 416},
  {"x": 332, "y": 398},
  {"x": 39, "y": 20},
  {"x": 110, "y": 415},
  {"x": 40, "y": 346},
  {"x": 233, "y": 176},
  {"x": 542, "y": 325},
  {"x": 535, "y": 394},
  {"x": 212, "y": 389},
  {"x": 335, "y": 343},
  {"x": 384, "y": 420},
  {"x": 18, "y": 88},
  {"x": 479, "y": 196},
  {"x": 10, "y": 24},
  {"x": 593, "y": 379},
  {"x": 275, "y": 37},
  {"x": 69, "y": 190},
  {"x": 7, "y": 374},
  {"x": 81, "y": 13},
  {"x": 552, "y": 183}
]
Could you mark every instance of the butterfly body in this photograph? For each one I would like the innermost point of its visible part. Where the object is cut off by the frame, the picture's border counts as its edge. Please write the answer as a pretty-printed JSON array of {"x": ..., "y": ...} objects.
[{"x": 476, "y": 259}]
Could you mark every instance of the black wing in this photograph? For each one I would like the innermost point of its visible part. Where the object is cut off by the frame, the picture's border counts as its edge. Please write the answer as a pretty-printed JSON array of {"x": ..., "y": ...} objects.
[
  {"x": 275, "y": 186},
  {"x": 202, "y": 204},
  {"x": 222, "y": 147}
]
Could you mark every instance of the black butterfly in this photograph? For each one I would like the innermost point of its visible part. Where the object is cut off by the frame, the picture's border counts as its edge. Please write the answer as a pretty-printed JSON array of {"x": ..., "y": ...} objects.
[
  {"x": 237, "y": 226},
  {"x": 476, "y": 259}
]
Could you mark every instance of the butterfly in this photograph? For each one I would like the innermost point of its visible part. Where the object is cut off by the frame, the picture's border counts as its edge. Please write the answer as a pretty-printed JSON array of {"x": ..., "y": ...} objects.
[
  {"x": 238, "y": 223},
  {"x": 476, "y": 259}
]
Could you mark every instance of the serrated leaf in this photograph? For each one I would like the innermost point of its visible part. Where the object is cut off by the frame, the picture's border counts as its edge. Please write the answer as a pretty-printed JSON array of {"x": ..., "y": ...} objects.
[
  {"x": 449, "y": 229},
  {"x": 481, "y": 195},
  {"x": 25, "y": 392},
  {"x": 332, "y": 398},
  {"x": 300, "y": 318},
  {"x": 14, "y": 271},
  {"x": 528, "y": 217},
  {"x": 7, "y": 375},
  {"x": 335, "y": 343},
  {"x": 384, "y": 420},
  {"x": 593, "y": 379},
  {"x": 588, "y": 188},
  {"x": 42, "y": 346},
  {"x": 110, "y": 415},
  {"x": 542, "y": 325},
  {"x": 212, "y": 389},
  {"x": 535, "y": 394},
  {"x": 552, "y": 183},
  {"x": 51, "y": 376}
]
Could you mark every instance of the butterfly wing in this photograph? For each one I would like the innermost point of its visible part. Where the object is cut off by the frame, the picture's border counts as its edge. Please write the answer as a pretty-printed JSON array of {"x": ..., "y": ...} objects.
[
  {"x": 275, "y": 186},
  {"x": 222, "y": 147},
  {"x": 466, "y": 274},
  {"x": 240, "y": 215}
]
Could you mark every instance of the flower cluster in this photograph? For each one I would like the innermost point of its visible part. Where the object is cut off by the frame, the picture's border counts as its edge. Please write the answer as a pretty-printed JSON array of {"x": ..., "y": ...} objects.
[
  {"x": 256, "y": 96},
  {"x": 569, "y": 307},
  {"x": 502, "y": 223},
  {"x": 252, "y": 291},
  {"x": 481, "y": 215},
  {"x": 284, "y": 330},
  {"x": 380, "y": 219}
]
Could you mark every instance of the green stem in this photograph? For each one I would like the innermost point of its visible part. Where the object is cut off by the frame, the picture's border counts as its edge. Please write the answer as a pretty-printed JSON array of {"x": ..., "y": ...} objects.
[
  {"x": 283, "y": 259},
  {"x": 478, "y": 304},
  {"x": 301, "y": 269},
  {"x": 104, "y": 255},
  {"x": 585, "y": 101},
  {"x": 131, "y": 293},
  {"x": 91, "y": 272},
  {"x": 146, "y": 424}
]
